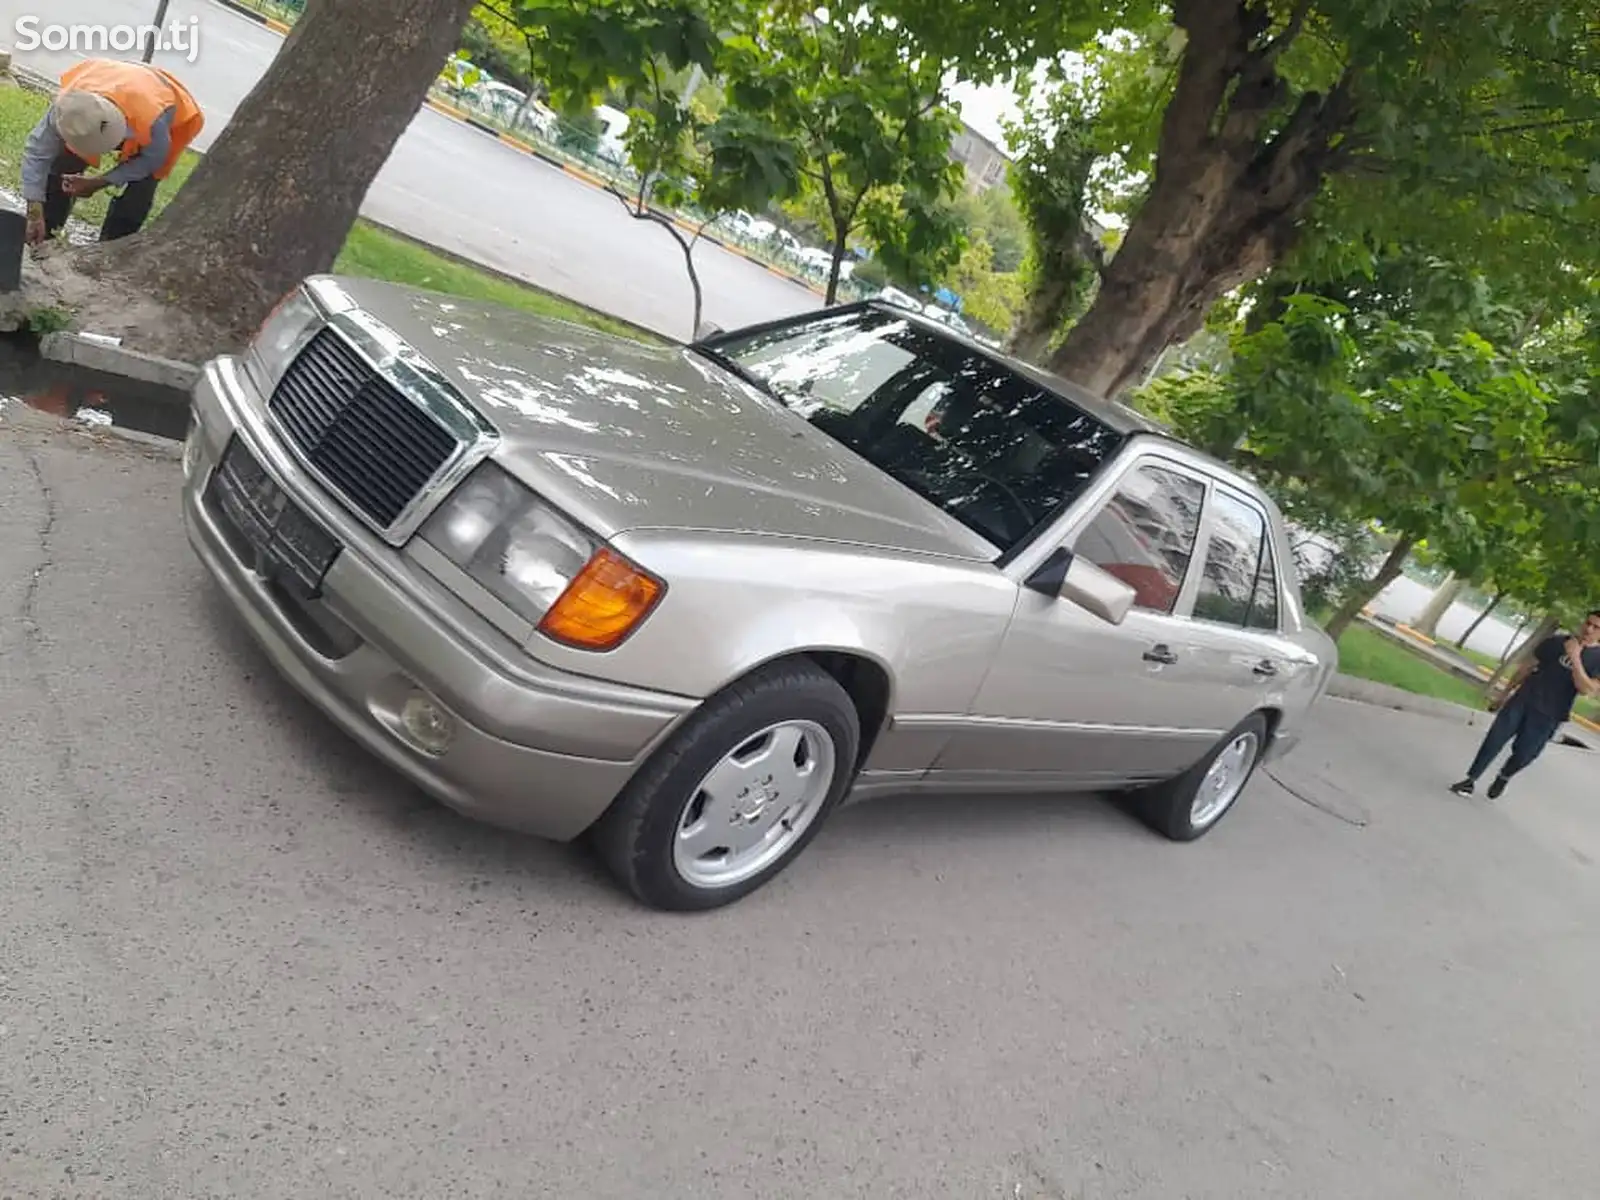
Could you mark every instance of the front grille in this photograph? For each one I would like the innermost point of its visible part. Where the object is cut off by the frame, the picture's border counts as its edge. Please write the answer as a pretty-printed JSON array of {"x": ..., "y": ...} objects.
[{"x": 366, "y": 437}]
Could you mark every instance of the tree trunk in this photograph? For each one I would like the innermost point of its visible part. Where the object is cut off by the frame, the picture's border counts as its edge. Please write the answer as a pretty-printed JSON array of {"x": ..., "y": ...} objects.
[
  {"x": 1231, "y": 184},
  {"x": 1041, "y": 318},
  {"x": 1513, "y": 644},
  {"x": 1439, "y": 604},
  {"x": 1461, "y": 642},
  {"x": 836, "y": 264},
  {"x": 1512, "y": 662},
  {"x": 275, "y": 197},
  {"x": 1363, "y": 594}
]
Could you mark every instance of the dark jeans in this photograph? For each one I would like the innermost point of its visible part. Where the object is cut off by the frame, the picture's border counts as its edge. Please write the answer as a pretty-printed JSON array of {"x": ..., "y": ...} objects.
[
  {"x": 128, "y": 211},
  {"x": 1528, "y": 731}
]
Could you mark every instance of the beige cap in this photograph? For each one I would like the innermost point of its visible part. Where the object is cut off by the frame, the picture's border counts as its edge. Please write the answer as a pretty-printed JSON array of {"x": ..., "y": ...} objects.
[{"x": 90, "y": 124}]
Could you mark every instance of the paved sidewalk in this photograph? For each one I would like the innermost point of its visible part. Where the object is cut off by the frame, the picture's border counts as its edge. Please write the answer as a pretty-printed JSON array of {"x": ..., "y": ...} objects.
[{"x": 238, "y": 958}]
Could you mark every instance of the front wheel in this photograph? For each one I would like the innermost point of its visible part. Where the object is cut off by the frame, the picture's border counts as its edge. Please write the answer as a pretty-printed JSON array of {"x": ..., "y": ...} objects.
[
  {"x": 1186, "y": 807},
  {"x": 736, "y": 794}
]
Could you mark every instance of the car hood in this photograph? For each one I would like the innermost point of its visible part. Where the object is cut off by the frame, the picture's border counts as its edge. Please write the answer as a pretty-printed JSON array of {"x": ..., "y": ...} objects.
[{"x": 626, "y": 435}]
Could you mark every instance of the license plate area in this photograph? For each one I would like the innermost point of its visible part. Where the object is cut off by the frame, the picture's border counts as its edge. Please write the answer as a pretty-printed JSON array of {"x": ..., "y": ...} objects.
[{"x": 290, "y": 548}]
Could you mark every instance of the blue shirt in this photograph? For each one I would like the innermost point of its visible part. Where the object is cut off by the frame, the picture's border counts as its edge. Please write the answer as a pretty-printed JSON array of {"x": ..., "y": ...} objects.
[{"x": 44, "y": 146}]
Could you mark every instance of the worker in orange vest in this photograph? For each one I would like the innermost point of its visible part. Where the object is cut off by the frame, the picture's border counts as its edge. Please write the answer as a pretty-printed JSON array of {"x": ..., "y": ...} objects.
[{"x": 140, "y": 113}]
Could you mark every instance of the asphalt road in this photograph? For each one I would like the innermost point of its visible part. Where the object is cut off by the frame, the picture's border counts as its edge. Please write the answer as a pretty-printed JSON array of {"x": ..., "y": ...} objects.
[
  {"x": 238, "y": 958},
  {"x": 461, "y": 189}
]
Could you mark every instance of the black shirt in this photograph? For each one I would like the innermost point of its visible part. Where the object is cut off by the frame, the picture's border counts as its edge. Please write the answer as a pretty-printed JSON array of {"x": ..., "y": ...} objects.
[{"x": 1550, "y": 690}]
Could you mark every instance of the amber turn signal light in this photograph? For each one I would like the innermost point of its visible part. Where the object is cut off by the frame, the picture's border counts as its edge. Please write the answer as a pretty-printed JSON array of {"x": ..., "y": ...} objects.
[{"x": 602, "y": 604}]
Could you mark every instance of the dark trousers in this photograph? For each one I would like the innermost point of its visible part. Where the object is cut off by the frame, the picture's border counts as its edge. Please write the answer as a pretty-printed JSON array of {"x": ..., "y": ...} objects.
[
  {"x": 1528, "y": 731},
  {"x": 128, "y": 211}
]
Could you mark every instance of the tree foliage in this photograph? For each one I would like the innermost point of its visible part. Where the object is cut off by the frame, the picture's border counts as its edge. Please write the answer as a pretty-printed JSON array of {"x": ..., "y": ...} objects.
[
  {"x": 1056, "y": 156},
  {"x": 648, "y": 54},
  {"x": 1247, "y": 130},
  {"x": 1387, "y": 403},
  {"x": 863, "y": 102}
]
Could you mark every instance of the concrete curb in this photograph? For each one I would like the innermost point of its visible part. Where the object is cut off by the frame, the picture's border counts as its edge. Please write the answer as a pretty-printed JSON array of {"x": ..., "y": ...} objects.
[
  {"x": 1381, "y": 695},
  {"x": 73, "y": 348}
]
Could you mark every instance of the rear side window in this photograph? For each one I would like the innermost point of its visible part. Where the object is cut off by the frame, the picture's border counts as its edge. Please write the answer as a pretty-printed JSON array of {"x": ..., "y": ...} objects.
[
  {"x": 1238, "y": 585},
  {"x": 1233, "y": 558},
  {"x": 1264, "y": 608},
  {"x": 1145, "y": 535}
]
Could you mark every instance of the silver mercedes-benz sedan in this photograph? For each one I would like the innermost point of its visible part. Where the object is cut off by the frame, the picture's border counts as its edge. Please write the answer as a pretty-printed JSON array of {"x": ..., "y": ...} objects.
[{"x": 688, "y": 599}]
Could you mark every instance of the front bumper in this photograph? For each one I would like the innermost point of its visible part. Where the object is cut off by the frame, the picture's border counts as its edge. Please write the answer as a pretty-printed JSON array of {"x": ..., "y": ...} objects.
[{"x": 534, "y": 749}]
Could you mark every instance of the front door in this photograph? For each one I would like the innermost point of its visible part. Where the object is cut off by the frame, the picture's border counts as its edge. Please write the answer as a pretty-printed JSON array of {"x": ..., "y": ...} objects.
[{"x": 1071, "y": 699}]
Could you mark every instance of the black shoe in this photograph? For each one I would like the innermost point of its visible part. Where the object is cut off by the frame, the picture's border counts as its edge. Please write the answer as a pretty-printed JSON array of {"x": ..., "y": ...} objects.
[
  {"x": 1464, "y": 788},
  {"x": 1498, "y": 786}
]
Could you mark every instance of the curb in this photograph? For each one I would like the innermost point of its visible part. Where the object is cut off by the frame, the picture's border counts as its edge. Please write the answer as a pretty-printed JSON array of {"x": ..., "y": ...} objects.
[
  {"x": 89, "y": 352},
  {"x": 1381, "y": 695}
]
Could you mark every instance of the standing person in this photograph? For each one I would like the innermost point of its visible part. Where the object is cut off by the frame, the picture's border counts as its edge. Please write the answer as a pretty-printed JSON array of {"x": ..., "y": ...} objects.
[
  {"x": 138, "y": 112},
  {"x": 1536, "y": 702}
]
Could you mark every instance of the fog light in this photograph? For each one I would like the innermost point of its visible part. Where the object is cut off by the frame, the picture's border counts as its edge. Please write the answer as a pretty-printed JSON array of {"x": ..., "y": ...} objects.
[{"x": 430, "y": 726}]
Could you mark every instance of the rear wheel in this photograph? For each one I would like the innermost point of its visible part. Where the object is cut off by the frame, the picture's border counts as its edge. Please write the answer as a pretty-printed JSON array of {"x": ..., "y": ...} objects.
[
  {"x": 737, "y": 793},
  {"x": 1186, "y": 807}
]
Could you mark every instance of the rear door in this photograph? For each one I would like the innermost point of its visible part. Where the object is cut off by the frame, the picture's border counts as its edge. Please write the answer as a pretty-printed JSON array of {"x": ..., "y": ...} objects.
[{"x": 1239, "y": 661}]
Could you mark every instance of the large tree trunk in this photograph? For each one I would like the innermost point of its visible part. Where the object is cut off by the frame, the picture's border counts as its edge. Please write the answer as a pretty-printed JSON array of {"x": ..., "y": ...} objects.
[
  {"x": 275, "y": 197},
  {"x": 1230, "y": 187},
  {"x": 1438, "y": 605},
  {"x": 1365, "y": 593}
]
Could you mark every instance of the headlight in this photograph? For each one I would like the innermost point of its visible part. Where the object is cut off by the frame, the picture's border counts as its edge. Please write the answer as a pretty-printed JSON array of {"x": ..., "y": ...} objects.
[
  {"x": 282, "y": 335},
  {"x": 538, "y": 563}
]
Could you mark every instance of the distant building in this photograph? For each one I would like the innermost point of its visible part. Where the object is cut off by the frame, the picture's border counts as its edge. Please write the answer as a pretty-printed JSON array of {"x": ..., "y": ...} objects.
[{"x": 985, "y": 162}]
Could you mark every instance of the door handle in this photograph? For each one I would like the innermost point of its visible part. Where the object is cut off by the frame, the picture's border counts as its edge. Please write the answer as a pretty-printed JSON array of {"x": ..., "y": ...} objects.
[
  {"x": 1160, "y": 654},
  {"x": 1265, "y": 667}
]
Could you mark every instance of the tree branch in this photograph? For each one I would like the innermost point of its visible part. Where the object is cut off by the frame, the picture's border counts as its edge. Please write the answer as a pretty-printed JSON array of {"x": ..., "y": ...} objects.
[
  {"x": 1562, "y": 123},
  {"x": 1297, "y": 20}
]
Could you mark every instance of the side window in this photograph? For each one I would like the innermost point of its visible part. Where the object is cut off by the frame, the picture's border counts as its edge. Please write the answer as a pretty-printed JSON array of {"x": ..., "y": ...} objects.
[
  {"x": 1145, "y": 534},
  {"x": 1264, "y": 608},
  {"x": 1233, "y": 562}
]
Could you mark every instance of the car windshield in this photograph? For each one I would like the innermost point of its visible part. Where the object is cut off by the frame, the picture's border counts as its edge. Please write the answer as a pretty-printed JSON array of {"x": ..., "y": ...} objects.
[{"x": 999, "y": 453}]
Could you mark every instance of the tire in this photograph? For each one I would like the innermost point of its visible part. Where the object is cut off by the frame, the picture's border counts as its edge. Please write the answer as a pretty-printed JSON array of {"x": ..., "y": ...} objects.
[
  {"x": 1173, "y": 809},
  {"x": 638, "y": 837}
]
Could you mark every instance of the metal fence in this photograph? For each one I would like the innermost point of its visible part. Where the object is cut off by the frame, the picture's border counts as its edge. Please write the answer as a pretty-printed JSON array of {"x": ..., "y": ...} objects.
[{"x": 286, "y": 11}]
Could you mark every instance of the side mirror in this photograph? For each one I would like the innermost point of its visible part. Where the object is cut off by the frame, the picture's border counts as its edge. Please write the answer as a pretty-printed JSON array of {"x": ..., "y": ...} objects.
[
  {"x": 706, "y": 330},
  {"x": 1065, "y": 576}
]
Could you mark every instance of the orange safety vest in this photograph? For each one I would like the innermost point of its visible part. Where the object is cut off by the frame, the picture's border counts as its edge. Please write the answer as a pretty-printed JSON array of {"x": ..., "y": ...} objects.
[{"x": 143, "y": 93}]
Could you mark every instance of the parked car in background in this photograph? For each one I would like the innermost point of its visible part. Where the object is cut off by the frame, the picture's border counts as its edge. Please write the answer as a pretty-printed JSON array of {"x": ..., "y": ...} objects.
[
  {"x": 613, "y": 131},
  {"x": 685, "y": 600},
  {"x": 893, "y": 295}
]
